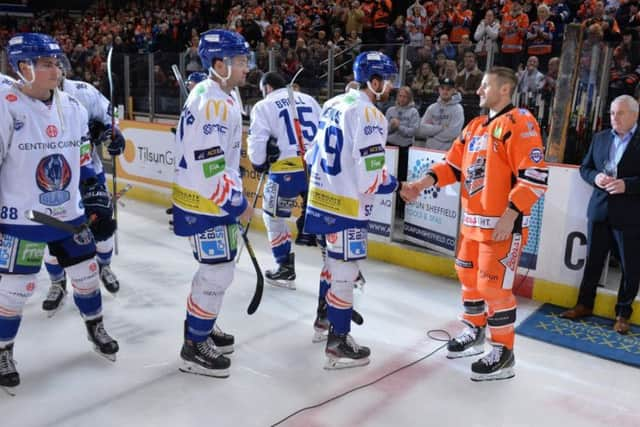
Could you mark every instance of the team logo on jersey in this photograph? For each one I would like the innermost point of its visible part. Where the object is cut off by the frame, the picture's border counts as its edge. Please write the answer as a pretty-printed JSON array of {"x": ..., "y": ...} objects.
[
  {"x": 190, "y": 119},
  {"x": 53, "y": 175},
  {"x": 84, "y": 237},
  {"x": 511, "y": 260},
  {"x": 474, "y": 180},
  {"x": 531, "y": 132},
  {"x": 216, "y": 109},
  {"x": 213, "y": 244},
  {"x": 372, "y": 114},
  {"x": 497, "y": 132},
  {"x": 17, "y": 124},
  {"x": 11, "y": 97},
  {"x": 52, "y": 131},
  {"x": 536, "y": 155},
  {"x": 478, "y": 143},
  {"x": 209, "y": 128}
]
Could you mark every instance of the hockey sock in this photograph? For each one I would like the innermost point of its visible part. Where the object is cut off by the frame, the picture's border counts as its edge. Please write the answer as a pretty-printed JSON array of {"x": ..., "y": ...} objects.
[
  {"x": 104, "y": 258},
  {"x": 198, "y": 329},
  {"x": 56, "y": 272},
  {"x": 325, "y": 284},
  {"x": 8, "y": 328}
]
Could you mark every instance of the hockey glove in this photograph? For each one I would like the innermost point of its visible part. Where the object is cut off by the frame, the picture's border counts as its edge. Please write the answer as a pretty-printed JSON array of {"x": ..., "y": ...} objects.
[
  {"x": 273, "y": 154},
  {"x": 115, "y": 147},
  {"x": 98, "y": 208}
]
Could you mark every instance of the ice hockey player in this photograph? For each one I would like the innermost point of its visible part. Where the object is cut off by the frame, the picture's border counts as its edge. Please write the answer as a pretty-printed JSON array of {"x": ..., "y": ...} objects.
[
  {"x": 46, "y": 154},
  {"x": 194, "y": 79},
  {"x": 273, "y": 149},
  {"x": 100, "y": 122},
  {"x": 347, "y": 170},
  {"x": 499, "y": 161},
  {"x": 207, "y": 195}
]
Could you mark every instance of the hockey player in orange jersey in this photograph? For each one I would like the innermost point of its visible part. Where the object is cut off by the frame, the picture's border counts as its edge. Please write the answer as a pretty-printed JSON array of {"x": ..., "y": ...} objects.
[{"x": 499, "y": 161}]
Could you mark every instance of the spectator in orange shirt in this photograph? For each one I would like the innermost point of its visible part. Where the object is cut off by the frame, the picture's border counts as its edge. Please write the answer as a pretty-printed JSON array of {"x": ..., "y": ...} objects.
[
  {"x": 513, "y": 31},
  {"x": 461, "y": 17},
  {"x": 540, "y": 37}
]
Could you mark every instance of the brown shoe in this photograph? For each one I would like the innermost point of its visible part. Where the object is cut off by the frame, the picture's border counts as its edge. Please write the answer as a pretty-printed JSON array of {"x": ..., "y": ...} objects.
[
  {"x": 622, "y": 325},
  {"x": 577, "y": 312}
]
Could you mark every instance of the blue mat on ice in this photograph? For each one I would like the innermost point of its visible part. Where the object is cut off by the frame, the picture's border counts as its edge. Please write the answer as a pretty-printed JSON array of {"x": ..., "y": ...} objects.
[{"x": 593, "y": 335}]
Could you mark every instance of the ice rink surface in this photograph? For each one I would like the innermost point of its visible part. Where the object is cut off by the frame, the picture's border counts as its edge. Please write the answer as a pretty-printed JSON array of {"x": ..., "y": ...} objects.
[{"x": 275, "y": 368}]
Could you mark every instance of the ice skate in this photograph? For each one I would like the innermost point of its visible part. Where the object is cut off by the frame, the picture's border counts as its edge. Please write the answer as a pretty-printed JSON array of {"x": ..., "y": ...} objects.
[
  {"x": 343, "y": 352},
  {"x": 223, "y": 342},
  {"x": 284, "y": 276},
  {"x": 103, "y": 344},
  {"x": 9, "y": 377},
  {"x": 55, "y": 297},
  {"x": 109, "y": 279},
  {"x": 202, "y": 358},
  {"x": 469, "y": 342},
  {"x": 497, "y": 365}
]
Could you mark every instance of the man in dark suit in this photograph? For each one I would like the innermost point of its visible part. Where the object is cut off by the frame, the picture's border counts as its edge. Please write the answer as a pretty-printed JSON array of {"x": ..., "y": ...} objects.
[{"x": 612, "y": 166}]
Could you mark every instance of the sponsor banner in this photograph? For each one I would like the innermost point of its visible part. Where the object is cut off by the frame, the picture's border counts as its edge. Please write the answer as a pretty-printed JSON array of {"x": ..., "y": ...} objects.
[
  {"x": 149, "y": 154},
  {"x": 562, "y": 251},
  {"x": 432, "y": 220},
  {"x": 382, "y": 215}
]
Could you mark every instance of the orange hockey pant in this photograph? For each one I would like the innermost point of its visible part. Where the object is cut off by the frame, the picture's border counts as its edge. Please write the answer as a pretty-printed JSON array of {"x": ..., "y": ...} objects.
[{"x": 487, "y": 271}]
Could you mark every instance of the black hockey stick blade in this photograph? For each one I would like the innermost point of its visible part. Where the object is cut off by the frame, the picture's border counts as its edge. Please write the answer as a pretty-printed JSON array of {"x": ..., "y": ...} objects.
[
  {"x": 43, "y": 218},
  {"x": 257, "y": 295}
]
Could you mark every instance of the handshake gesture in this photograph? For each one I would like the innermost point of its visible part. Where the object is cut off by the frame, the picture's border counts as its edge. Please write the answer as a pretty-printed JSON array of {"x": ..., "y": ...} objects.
[{"x": 411, "y": 190}]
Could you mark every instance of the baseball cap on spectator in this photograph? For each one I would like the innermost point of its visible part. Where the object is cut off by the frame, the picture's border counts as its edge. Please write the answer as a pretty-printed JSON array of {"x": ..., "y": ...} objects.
[{"x": 446, "y": 81}]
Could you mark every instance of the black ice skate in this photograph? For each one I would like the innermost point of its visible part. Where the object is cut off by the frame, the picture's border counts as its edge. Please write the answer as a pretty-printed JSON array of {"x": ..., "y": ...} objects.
[
  {"x": 202, "y": 358},
  {"x": 360, "y": 281},
  {"x": 9, "y": 377},
  {"x": 469, "y": 342},
  {"x": 343, "y": 352},
  {"x": 109, "y": 279},
  {"x": 285, "y": 275},
  {"x": 223, "y": 342},
  {"x": 55, "y": 297},
  {"x": 497, "y": 365},
  {"x": 321, "y": 324},
  {"x": 103, "y": 344}
]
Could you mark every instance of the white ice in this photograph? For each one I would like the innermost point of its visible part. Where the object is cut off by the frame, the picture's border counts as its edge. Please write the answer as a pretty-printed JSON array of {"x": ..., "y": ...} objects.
[{"x": 275, "y": 369}]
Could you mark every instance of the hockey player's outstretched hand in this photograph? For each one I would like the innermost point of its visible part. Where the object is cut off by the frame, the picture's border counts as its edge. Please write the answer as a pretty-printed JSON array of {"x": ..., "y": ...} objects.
[{"x": 410, "y": 192}]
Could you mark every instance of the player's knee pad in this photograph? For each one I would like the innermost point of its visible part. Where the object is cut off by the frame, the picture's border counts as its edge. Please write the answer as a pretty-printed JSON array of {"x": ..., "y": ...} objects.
[
  {"x": 209, "y": 285},
  {"x": 275, "y": 225},
  {"x": 84, "y": 276},
  {"x": 74, "y": 249},
  {"x": 343, "y": 276},
  {"x": 215, "y": 245},
  {"x": 347, "y": 245},
  {"x": 15, "y": 290}
]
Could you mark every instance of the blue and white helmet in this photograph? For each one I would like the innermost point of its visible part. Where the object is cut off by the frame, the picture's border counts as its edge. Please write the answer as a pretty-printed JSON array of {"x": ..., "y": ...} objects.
[
  {"x": 372, "y": 63},
  {"x": 196, "y": 77},
  {"x": 28, "y": 47},
  {"x": 221, "y": 44}
]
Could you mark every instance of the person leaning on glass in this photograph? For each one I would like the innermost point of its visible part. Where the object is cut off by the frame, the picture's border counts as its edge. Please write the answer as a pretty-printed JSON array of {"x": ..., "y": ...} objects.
[{"x": 612, "y": 167}]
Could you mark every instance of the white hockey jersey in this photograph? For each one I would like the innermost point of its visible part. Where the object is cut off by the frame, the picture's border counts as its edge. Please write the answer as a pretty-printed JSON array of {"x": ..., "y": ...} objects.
[
  {"x": 6, "y": 81},
  {"x": 347, "y": 164},
  {"x": 271, "y": 117},
  {"x": 207, "y": 189},
  {"x": 98, "y": 107},
  {"x": 42, "y": 151}
]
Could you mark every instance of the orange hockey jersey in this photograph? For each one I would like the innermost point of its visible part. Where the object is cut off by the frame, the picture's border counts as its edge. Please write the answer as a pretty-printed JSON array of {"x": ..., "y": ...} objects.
[{"x": 499, "y": 163}]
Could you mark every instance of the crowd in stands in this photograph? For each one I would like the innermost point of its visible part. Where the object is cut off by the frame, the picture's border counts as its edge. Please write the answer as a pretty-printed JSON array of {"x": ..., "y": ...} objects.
[{"x": 450, "y": 39}]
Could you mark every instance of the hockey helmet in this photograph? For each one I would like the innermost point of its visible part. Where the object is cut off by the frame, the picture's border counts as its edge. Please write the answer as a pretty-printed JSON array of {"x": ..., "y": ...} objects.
[
  {"x": 196, "y": 77},
  {"x": 221, "y": 44},
  {"x": 31, "y": 46},
  {"x": 372, "y": 63}
]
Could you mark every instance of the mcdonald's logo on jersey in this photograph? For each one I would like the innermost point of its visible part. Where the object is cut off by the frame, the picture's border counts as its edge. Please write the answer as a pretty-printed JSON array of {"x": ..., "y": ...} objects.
[
  {"x": 219, "y": 109},
  {"x": 372, "y": 114}
]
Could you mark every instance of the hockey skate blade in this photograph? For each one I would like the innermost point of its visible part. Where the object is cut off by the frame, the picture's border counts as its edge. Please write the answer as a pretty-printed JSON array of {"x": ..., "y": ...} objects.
[
  {"x": 320, "y": 336},
  {"x": 9, "y": 390},
  {"x": 194, "y": 368},
  {"x": 227, "y": 349},
  {"x": 471, "y": 351},
  {"x": 109, "y": 357},
  {"x": 501, "y": 374},
  {"x": 51, "y": 313},
  {"x": 284, "y": 284},
  {"x": 334, "y": 363}
]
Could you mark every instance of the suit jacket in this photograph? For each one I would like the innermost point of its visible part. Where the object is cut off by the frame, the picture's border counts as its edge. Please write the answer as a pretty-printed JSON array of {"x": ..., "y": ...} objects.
[{"x": 618, "y": 209}]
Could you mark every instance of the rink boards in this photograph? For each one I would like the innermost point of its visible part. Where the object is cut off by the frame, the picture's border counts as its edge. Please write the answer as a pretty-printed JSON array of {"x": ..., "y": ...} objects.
[{"x": 552, "y": 263}]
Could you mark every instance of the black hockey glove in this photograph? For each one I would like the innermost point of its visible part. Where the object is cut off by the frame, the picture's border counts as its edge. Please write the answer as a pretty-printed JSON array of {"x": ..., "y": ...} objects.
[
  {"x": 273, "y": 153},
  {"x": 98, "y": 208},
  {"x": 115, "y": 147}
]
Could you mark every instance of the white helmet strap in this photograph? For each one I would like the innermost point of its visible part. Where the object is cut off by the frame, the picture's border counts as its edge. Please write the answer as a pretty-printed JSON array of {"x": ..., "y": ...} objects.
[
  {"x": 378, "y": 94},
  {"x": 33, "y": 73},
  {"x": 223, "y": 80}
]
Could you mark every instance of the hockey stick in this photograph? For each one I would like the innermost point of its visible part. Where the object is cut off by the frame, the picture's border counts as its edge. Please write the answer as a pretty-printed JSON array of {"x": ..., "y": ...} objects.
[
  {"x": 113, "y": 135},
  {"x": 44, "y": 219},
  {"x": 296, "y": 120},
  {"x": 180, "y": 80},
  {"x": 257, "y": 295},
  {"x": 253, "y": 206}
]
